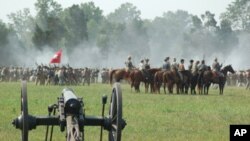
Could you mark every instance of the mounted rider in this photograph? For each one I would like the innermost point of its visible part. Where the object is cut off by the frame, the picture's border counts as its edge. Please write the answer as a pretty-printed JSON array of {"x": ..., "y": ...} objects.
[
  {"x": 129, "y": 64},
  {"x": 174, "y": 65},
  {"x": 216, "y": 67},
  {"x": 195, "y": 68},
  {"x": 166, "y": 66},
  {"x": 190, "y": 66},
  {"x": 201, "y": 68},
  {"x": 181, "y": 69},
  {"x": 141, "y": 65},
  {"x": 147, "y": 65}
]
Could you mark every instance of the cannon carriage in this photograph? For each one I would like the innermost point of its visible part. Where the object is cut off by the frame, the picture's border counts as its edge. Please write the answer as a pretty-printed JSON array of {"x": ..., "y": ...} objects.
[{"x": 71, "y": 116}]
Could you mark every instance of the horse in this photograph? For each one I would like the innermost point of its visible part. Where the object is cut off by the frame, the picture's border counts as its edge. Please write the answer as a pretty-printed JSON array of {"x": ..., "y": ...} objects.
[
  {"x": 119, "y": 74},
  {"x": 193, "y": 82},
  {"x": 248, "y": 79},
  {"x": 136, "y": 78},
  {"x": 147, "y": 77},
  {"x": 170, "y": 78},
  {"x": 185, "y": 81},
  {"x": 212, "y": 77},
  {"x": 158, "y": 80}
]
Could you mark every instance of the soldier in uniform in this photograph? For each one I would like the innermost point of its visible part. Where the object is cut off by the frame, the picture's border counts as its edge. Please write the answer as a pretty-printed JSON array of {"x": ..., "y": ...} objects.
[
  {"x": 195, "y": 68},
  {"x": 129, "y": 64},
  {"x": 141, "y": 65},
  {"x": 147, "y": 65},
  {"x": 181, "y": 68},
  {"x": 190, "y": 66},
  {"x": 166, "y": 66},
  {"x": 174, "y": 65},
  {"x": 216, "y": 67},
  {"x": 201, "y": 68}
]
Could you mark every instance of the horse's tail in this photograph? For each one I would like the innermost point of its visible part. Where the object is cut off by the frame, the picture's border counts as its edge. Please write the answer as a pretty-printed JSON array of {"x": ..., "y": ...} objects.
[{"x": 111, "y": 76}]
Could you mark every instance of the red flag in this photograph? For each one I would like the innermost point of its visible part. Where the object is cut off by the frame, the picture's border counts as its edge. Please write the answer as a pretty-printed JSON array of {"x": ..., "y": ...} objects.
[{"x": 57, "y": 57}]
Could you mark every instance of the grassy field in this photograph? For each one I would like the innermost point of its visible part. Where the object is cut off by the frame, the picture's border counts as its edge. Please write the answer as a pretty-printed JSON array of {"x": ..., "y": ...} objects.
[{"x": 149, "y": 117}]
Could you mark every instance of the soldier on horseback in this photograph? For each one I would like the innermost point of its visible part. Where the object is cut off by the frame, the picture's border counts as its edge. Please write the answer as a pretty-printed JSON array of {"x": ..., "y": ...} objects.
[
  {"x": 141, "y": 65},
  {"x": 216, "y": 67},
  {"x": 147, "y": 65},
  {"x": 181, "y": 68},
  {"x": 195, "y": 68},
  {"x": 129, "y": 64},
  {"x": 174, "y": 65},
  {"x": 166, "y": 66},
  {"x": 190, "y": 66}
]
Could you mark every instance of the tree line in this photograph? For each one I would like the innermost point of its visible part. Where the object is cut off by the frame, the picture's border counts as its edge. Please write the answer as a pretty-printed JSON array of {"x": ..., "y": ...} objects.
[{"x": 123, "y": 30}]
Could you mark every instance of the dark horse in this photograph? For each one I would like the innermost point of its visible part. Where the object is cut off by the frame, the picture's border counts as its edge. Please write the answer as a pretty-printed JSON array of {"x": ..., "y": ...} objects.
[
  {"x": 173, "y": 77},
  {"x": 138, "y": 76},
  {"x": 212, "y": 77},
  {"x": 119, "y": 74},
  {"x": 158, "y": 80},
  {"x": 169, "y": 79}
]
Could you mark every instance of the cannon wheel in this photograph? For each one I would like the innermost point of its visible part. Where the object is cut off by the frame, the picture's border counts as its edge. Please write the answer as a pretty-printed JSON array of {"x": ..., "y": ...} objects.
[
  {"x": 24, "y": 112},
  {"x": 115, "y": 113}
]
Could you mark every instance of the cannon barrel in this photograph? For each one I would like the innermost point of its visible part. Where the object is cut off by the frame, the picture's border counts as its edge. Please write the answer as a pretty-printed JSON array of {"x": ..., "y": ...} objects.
[{"x": 71, "y": 104}]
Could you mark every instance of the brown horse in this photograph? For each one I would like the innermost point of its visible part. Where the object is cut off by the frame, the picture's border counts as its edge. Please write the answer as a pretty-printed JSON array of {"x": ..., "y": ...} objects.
[
  {"x": 212, "y": 77},
  {"x": 119, "y": 74},
  {"x": 169, "y": 79},
  {"x": 158, "y": 80},
  {"x": 136, "y": 78},
  {"x": 147, "y": 77}
]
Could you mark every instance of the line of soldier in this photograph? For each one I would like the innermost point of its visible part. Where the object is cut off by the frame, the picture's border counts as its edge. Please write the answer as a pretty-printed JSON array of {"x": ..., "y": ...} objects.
[{"x": 194, "y": 67}]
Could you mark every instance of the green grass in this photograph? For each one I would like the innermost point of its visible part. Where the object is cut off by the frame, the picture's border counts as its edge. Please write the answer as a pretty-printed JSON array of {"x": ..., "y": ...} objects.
[{"x": 149, "y": 117}]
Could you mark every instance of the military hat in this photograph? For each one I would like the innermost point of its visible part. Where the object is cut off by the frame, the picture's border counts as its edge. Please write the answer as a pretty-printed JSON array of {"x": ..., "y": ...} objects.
[
  {"x": 191, "y": 60},
  {"x": 129, "y": 57},
  {"x": 166, "y": 59}
]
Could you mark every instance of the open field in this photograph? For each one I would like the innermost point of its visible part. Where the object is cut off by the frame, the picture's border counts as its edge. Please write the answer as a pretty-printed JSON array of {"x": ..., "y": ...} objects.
[{"x": 149, "y": 117}]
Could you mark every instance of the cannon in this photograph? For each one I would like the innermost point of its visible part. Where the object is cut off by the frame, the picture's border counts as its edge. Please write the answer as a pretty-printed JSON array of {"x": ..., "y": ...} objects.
[{"x": 71, "y": 116}]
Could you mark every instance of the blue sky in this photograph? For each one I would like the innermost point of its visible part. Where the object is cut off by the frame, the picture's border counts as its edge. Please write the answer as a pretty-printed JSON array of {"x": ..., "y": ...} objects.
[{"x": 149, "y": 8}]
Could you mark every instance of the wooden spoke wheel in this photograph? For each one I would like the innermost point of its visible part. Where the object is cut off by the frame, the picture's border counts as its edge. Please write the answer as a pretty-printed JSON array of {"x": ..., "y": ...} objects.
[{"x": 115, "y": 113}]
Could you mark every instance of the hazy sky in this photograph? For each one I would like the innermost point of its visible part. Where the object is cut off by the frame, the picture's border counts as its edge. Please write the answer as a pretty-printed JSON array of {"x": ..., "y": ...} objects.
[{"x": 149, "y": 8}]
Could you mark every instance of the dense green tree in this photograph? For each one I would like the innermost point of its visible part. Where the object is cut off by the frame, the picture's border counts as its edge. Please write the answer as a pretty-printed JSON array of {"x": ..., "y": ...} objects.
[
  {"x": 126, "y": 13},
  {"x": 49, "y": 29},
  {"x": 209, "y": 20},
  {"x": 76, "y": 26},
  {"x": 23, "y": 24},
  {"x": 4, "y": 31},
  {"x": 238, "y": 13},
  {"x": 94, "y": 18}
]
